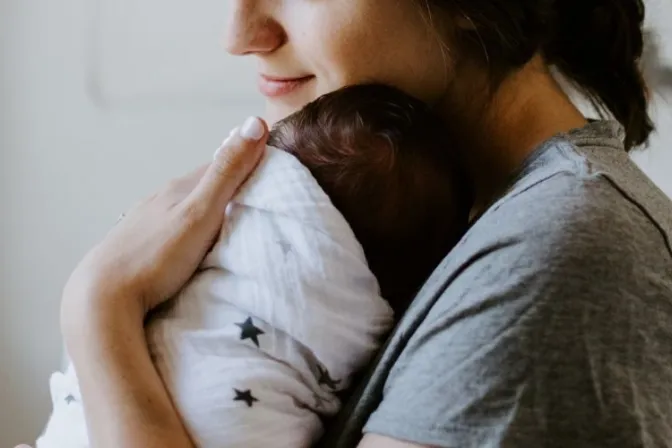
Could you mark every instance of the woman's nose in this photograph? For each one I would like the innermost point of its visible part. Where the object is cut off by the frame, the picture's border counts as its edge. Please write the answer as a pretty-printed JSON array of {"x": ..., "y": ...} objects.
[{"x": 251, "y": 29}]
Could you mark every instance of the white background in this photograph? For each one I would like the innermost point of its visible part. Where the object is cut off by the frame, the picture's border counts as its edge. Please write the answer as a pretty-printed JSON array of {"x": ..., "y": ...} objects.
[{"x": 101, "y": 101}]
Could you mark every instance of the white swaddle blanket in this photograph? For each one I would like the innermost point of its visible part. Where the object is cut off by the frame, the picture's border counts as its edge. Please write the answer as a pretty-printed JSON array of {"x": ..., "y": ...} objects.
[{"x": 282, "y": 313}]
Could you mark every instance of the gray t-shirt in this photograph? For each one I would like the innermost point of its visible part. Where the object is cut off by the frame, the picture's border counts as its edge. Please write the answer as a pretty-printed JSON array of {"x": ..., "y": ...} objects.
[{"x": 548, "y": 325}]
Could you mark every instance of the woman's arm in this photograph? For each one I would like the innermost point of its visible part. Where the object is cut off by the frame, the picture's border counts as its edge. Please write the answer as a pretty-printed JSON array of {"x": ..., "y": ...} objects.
[
  {"x": 124, "y": 399},
  {"x": 144, "y": 260}
]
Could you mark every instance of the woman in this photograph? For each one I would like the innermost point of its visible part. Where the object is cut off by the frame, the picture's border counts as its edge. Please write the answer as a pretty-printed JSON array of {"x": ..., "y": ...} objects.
[{"x": 549, "y": 324}]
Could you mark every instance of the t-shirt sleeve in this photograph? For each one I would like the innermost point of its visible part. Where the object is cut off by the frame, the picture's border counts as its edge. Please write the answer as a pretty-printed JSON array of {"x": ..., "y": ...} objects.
[{"x": 525, "y": 345}]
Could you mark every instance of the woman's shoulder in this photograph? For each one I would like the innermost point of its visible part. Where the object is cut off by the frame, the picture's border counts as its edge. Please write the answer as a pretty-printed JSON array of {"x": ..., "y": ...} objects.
[
  {"x": 579, "y": 192},
  {"x": 581, "y": 223}
]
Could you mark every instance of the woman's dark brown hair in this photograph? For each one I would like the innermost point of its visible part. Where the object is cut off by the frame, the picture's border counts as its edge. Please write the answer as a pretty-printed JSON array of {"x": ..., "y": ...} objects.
[{"x": 597, "y": 44}]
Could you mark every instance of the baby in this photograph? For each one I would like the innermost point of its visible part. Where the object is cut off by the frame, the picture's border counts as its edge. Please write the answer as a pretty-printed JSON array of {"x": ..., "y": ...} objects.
[
  {"x": 355, "y": 202},
  {"x": 383, "y": 160}
]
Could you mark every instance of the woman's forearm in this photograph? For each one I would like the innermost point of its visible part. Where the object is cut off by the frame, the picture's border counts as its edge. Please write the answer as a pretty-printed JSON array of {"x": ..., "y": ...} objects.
[{"x": 124, "y": 398}]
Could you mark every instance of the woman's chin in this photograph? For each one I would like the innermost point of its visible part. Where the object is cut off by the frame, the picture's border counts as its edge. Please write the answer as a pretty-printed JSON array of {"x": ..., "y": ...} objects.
[
  {"x": 281, "y": 107},
  {"x": 276, "y": 110}
]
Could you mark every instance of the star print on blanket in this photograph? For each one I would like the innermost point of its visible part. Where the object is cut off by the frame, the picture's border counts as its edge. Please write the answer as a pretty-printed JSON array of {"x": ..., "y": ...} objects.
[
  {"x": 245, "y": 396},
  {"x": 250, "y": 331}
]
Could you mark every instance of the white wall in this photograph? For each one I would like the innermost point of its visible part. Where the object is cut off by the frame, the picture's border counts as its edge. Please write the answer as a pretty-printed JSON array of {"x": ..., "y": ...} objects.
[{"x": 93, "y": 115}]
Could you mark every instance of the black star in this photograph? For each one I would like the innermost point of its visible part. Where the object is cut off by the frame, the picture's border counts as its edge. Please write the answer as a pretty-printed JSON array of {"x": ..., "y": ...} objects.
[
  {"x": 69, "y": 399},
  {"x": 249, "y": 331},
  {"x": 246, "y": 396},
  {"x": 326, "y": 379}
]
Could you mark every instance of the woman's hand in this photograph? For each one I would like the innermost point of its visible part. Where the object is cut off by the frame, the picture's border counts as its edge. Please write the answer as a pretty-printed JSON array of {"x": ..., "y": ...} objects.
[
  {"x": 144, "y": 260},
  {"x": 152, "y": 252}
]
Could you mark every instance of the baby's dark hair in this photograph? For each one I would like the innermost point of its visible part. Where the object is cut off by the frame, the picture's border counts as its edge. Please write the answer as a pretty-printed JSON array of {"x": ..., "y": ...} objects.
[
  {"x": 381, "y": 156},
  {"x": 597, "y": 44}
]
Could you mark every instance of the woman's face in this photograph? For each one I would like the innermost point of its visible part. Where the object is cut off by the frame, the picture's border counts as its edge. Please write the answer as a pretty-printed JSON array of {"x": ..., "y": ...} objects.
[{"x": 306, "y": 48}]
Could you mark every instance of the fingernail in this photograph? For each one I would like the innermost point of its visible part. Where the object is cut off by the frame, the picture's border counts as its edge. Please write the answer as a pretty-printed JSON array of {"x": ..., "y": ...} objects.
[
  {"x": 252, "y": 129},
  {"x": 233, "y": 131}
]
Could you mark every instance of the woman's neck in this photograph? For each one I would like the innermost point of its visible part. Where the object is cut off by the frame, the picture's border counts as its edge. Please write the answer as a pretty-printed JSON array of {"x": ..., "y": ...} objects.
[{"x": 528, "y": 109}]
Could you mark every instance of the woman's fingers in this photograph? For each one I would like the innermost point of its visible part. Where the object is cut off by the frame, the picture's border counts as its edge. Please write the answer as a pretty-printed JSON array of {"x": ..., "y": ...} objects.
[
  {"x": 232, "y": 164},
  {"x": 150, "y": 254}
]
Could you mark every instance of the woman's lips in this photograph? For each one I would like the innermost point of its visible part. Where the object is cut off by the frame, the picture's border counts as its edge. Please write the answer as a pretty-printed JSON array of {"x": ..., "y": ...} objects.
[{"x": 273, "y": 87}]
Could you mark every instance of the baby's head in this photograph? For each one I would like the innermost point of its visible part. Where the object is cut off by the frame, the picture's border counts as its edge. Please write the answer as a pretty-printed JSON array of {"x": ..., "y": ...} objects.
[{"x": 382, "y": 158}]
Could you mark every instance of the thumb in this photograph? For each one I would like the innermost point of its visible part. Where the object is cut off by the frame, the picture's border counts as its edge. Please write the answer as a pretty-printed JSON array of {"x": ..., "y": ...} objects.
[{"x": 232, "y": 164}]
